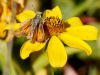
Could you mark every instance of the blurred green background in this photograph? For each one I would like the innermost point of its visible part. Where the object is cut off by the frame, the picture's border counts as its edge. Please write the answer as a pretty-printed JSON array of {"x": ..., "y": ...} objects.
[{"x": 37, "y": 63}]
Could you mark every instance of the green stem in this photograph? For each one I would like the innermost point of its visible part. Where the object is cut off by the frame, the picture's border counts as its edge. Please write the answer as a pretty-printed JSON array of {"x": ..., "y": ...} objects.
[
  {"x": 18, "y": 68},
  {"x": 51, "y": 69},
  {"x": 39, "y": 63}
]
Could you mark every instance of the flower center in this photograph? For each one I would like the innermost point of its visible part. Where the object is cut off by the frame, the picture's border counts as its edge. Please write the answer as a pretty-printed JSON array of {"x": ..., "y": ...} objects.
[{"x": 54, "y": 26}]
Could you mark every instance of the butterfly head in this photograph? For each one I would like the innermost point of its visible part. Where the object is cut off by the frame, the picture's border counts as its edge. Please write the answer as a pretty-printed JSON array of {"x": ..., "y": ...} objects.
[{"x": 38, "y": 14}]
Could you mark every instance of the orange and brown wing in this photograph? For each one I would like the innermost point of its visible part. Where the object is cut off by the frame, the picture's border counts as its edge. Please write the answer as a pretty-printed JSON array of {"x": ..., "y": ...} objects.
[
  {"x": 24, "y": 30},
  {"x": 34, "y": 35},
  {"x": 38, "y": 34}
]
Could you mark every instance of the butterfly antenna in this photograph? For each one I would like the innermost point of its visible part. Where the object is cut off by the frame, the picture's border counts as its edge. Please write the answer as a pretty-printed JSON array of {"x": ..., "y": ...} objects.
[{"x": 34, "y": 8}]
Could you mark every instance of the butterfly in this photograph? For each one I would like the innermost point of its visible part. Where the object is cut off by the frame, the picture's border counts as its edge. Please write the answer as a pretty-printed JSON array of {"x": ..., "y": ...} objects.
[{"x": 32, "y": 29}]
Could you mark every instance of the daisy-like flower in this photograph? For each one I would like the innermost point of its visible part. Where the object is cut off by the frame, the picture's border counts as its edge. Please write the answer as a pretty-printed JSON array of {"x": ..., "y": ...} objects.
[{"x": 72, "y": 32}]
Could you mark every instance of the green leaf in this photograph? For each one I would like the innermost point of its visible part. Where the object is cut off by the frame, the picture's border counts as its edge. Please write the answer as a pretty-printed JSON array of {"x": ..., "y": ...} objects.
[{"x": 41, "y": 61}]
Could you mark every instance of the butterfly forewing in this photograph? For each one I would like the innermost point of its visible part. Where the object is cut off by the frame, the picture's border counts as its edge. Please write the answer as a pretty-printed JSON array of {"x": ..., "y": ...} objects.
[{"x": 24, "y": 29}]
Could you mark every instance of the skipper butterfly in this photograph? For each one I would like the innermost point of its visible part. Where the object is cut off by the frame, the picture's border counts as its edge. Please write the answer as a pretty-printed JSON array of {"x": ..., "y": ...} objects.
[{"x": 32, "y": 29}]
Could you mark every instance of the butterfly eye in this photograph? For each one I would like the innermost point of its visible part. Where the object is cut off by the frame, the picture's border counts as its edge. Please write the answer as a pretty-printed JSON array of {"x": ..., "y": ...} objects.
[{"x": 39, "y": 14}]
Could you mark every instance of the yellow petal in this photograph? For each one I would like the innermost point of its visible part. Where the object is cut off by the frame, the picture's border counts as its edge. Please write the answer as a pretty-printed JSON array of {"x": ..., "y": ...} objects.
[
  {"x": 86, "y": 32},
  {"x": 27, "y": 14},
  {"x": 2, "y": 33},
  {"x": 28, "y": 48},
  {"x": 74, "y": 21},
  {"x": 55, "y": 12},
  {"x": 15, "y": 26},
  {"x": 4, "y": 13},
  {"x": 56, "y": 52},
  {"x": 75, "y": 43}
]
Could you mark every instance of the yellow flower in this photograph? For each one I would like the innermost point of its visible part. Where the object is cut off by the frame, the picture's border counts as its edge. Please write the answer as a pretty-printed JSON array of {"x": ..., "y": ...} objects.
[
  {"x": 2, "y": 33},
  {"x": 72, "y": 32},
  {"x": 5, "y": 18}
]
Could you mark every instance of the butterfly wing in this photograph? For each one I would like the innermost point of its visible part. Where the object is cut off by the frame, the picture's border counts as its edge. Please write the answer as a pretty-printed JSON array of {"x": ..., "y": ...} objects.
[
  {"x": 24, "y": 29},
  {"x": 34, "y": 37},
  {"x": 38, "y": 33}
]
